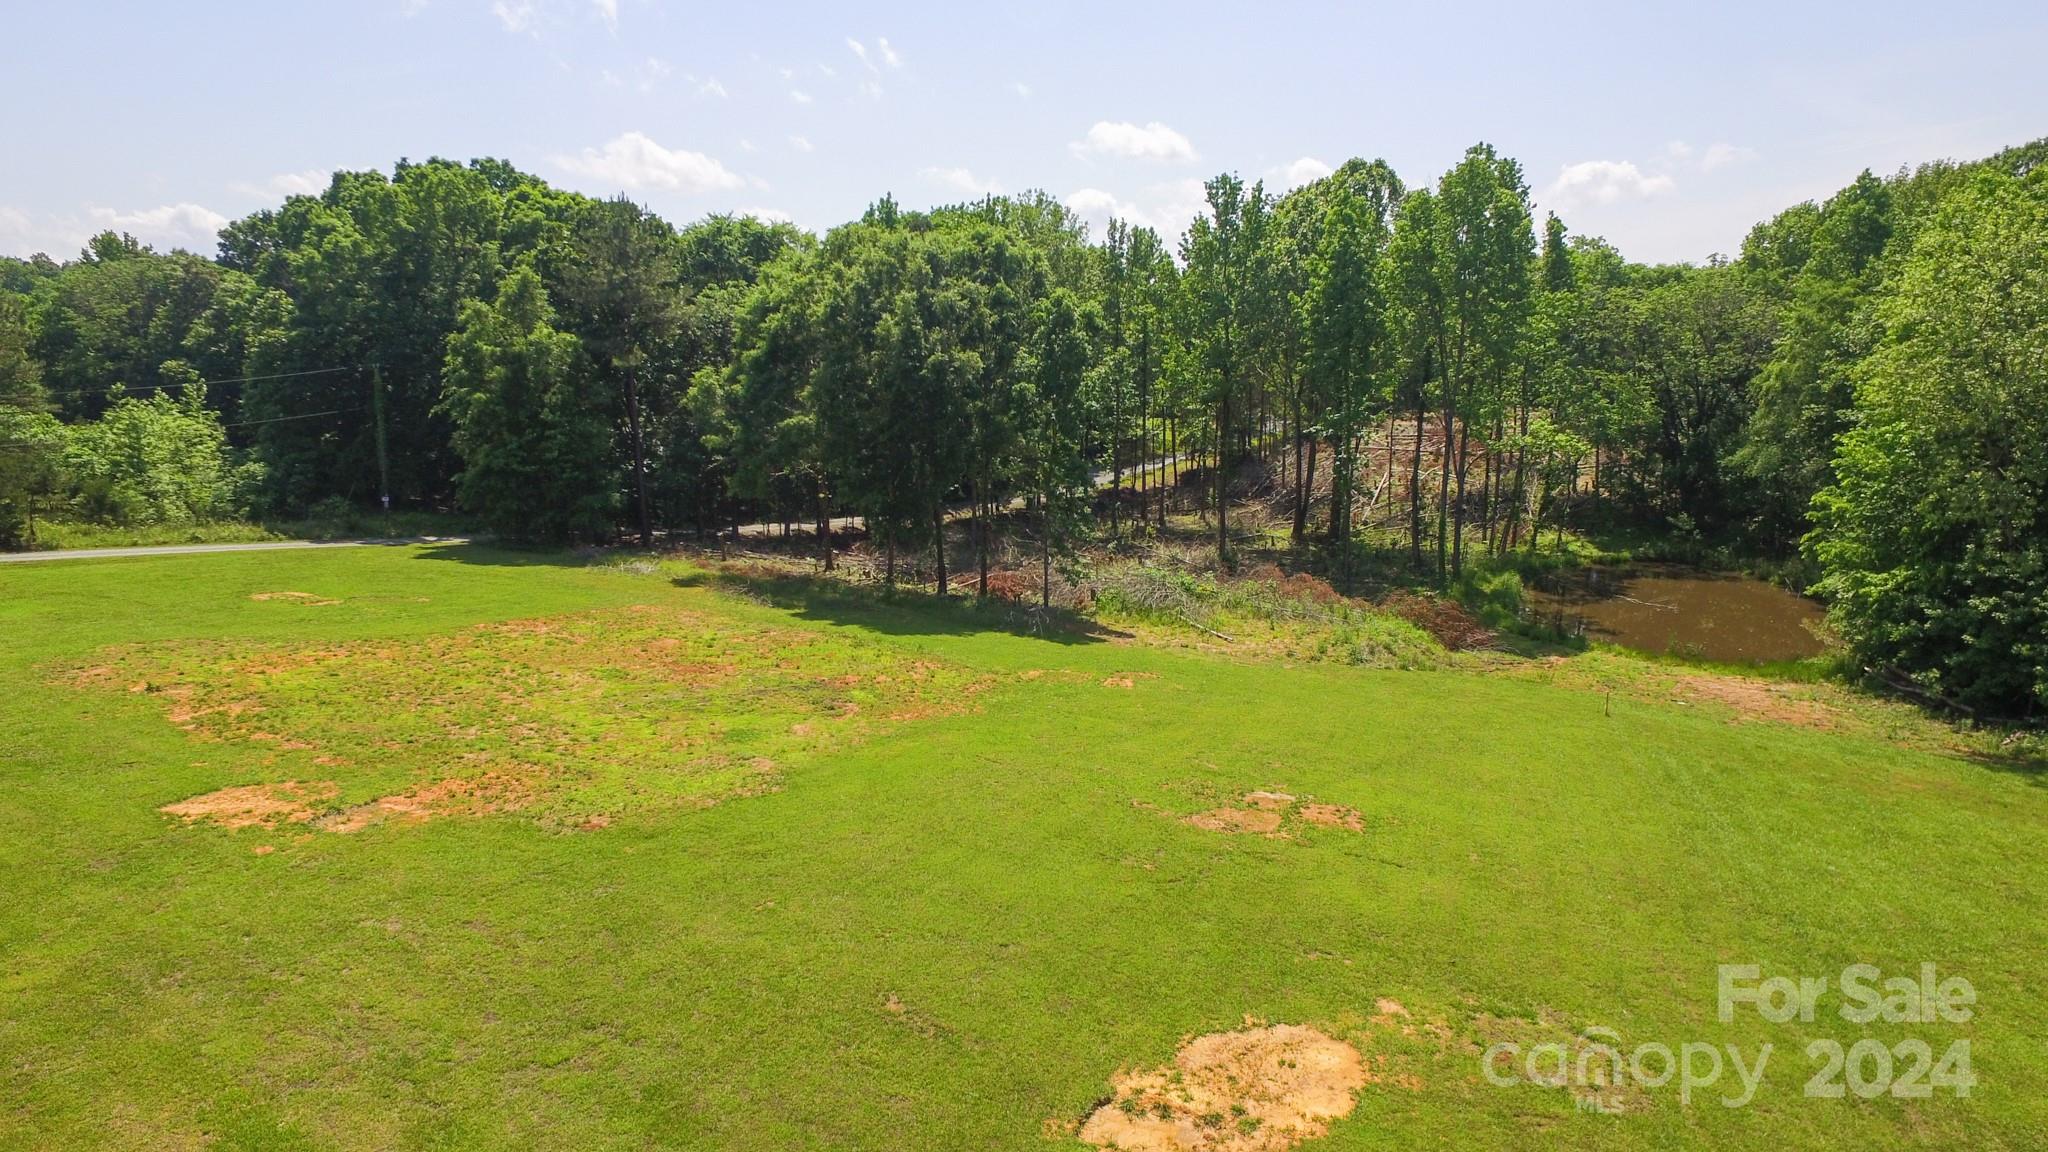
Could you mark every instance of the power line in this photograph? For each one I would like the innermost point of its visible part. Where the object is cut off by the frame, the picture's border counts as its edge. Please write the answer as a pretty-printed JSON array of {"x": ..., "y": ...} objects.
[
  {"x": 282, "y": 419},
  {"x": 237, "y": 424},
  {"x": 189, "y": 383}
]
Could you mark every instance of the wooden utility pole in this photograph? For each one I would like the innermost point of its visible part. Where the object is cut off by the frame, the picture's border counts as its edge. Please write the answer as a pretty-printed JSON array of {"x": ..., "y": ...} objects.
[{"x": 383, "y": 453}]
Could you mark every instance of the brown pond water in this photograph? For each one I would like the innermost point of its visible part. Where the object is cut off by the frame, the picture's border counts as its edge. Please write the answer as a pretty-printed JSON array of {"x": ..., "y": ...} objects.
[{"x": 1719, "y": 616}]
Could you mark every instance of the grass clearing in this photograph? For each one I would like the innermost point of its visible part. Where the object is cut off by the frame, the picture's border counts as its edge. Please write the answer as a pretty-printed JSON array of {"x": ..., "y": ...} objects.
[{"x": 964, "y": 915}]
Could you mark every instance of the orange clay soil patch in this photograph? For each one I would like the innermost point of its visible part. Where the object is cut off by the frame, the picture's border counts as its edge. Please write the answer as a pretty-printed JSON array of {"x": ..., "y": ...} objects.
[
  {"x": 1263, "y": 811},
  {"x": 255, "y": 805},
  {"x": 1236, "y": 820},
  {"x": 1258, "y": 1090},
  {"x": 1332, "y": 816},
  {"x": 485, "y": 795},
  {"x": 1756, "y": 700},
  {"x": 607, "y": 712}
]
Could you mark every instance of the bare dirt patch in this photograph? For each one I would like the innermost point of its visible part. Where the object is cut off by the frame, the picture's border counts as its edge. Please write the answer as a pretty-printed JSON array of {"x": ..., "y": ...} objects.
[
  {"x": 255, "y": 805},
  {"x": 608, "y": 712},
  {"x": 1756, "y": 700},
  {"x": 1264, "y": 812},
  {"x": 485, "y": 795},
  {"x": 1237, "y": 820},
  {"x": 1257, "y": 1090},
  {"x": 1332, "y": 816},
  {"x": 303, "y": 598}
]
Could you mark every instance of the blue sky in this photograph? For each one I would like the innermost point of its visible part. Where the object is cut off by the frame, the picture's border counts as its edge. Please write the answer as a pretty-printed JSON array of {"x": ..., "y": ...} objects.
[{"x": 1667, "y": 128}]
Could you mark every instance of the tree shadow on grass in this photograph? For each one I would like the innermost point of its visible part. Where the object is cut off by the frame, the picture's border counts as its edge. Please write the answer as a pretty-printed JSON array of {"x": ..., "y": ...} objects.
[
  {"x": 2029, "y": 766},
  {"x": 502, "y": 555},
  {"x": 899, "y": 612}
]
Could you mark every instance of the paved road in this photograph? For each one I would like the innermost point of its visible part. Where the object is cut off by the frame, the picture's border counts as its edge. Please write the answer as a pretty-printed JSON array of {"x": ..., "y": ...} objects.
[{"x": 191, "y": 549}]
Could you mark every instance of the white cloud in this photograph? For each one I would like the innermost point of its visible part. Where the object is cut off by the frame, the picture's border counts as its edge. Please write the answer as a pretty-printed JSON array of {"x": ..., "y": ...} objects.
[
  {"x": 1165, "y": 208},
  {"x": 1306, "y": 170},
  {"x": 173, "y": 225},
  {"x": 827, "y": 71},
  {"x": 608, "y": 10},
  {"x": 189, "y": 226},
  {"x": 746, "y": 145},
  {"x": 1722, "y": 155},
  {"x": 1606, "y": 182},
  {"x": 962, "y": 180},
  {"x": 1022, "y": 89},
  {"x": 871, "y": 90},
  {"x": 633, "y": 161},
  {"x": 882, "y": 52},
  {"x": 800, "y": 143},
  {"x": 709, "y": 86},
  {"x": 516, "y": 17},
  {"x": 799, "y": 96},
  {"x": 1717, "y": 155},
  {"x": 311, "y": 182},
  {"x": 412, "y": 8},
  {"x": 1154, "y": 141}
]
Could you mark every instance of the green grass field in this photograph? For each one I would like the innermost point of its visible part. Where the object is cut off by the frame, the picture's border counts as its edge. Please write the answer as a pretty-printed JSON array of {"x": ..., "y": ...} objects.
[{"x": 635, "y": 857}]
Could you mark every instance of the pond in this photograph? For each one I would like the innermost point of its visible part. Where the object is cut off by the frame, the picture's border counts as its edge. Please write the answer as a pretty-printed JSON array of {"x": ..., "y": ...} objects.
[{"x": 1720, "y": 616}]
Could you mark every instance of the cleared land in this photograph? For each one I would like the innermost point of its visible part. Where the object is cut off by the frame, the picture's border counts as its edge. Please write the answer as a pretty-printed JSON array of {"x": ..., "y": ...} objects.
[{"x": 449, "y": 847}]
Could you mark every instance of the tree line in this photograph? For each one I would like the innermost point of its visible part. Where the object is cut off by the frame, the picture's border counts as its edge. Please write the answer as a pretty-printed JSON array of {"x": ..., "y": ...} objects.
[{"x": 1428, "y": 371}]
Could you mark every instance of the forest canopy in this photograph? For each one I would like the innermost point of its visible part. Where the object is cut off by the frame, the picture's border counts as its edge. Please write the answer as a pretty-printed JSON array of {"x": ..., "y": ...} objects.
[{"x": 1858, "y": 396}]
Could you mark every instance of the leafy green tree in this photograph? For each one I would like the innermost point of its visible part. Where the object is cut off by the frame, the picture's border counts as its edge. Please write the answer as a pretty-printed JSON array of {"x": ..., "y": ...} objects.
[
  {"x": 115, "y": 316},
  {"x": 1054, "y": 470},
  {"x": 1486, "y": 247},
  {"x": 161, "y": 460},
  {"x": 1699, "y": 340},
  {"x": 1804, "y": 393},
  {"x": 21, "y": 374},
  {"x": 624, "y": 289},
  {"x": 1152, "y": 284},
  {"x": 32, "y": 446},
  {"x": 1933, "y": 538},
  {"x": 1414, "y": 295},
  {"x": 1222, "y": 290},
  {"x": 1343, "y": 314},
  {"x": 534, "y": 441}
]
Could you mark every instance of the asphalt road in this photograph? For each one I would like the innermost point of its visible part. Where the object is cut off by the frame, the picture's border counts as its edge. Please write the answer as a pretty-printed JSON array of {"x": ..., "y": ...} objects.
[{"x": 194, "y": 549}]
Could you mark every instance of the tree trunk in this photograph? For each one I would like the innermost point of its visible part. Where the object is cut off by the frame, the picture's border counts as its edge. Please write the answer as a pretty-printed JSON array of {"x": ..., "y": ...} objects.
[
  {"x": 939, "y": 543},
  {"x": 1172, "y": 463},
  {"x": 1458, "y": 502},
  {"x": 1045, "y": 551},
  {"x": 1521, "y": 487},
  {"x": 1300, "y": 485},
  {"x": 1443, "y": 487},
  {"x": 1222, "y": 480},
  {"x": 1116, "y": 461},
  {"x": 824, "y": 528},
  {"x": 980, "y": 545},
  {"x": 1415, "y": 479},
  {"x": 639, "y": 461}
]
